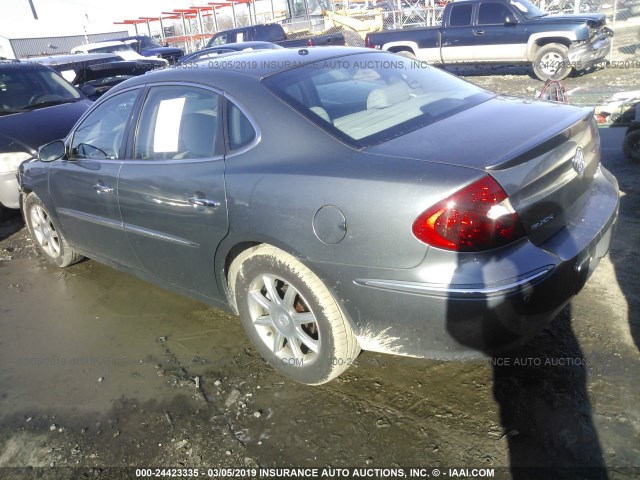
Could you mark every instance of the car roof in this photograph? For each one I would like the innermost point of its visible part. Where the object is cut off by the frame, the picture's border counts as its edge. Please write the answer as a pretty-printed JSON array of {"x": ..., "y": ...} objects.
[
  {"x": 239, "y": 45},
  {"x": 22, "y": 65},
  {"x": 108, "y": 43},
  {"x": 259, "y": 63},
  {"x": 73, "y": 58}
]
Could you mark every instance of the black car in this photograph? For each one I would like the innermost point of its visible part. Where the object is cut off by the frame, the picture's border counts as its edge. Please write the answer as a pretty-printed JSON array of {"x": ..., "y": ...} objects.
[
  {"x": 213, "y": 52},
  {"x": 37, "y": 105},
  {"x": 95, "y": 73}
]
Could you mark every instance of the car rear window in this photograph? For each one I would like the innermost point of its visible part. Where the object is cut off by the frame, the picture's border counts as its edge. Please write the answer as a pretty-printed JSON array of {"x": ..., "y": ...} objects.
[{"x": 370, "y": 98}]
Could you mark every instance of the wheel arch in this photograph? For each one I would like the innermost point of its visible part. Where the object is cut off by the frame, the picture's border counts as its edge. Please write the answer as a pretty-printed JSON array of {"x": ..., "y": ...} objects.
[
  {"x": 538, "y": 41},
  {"x": 235, "y": 249}
]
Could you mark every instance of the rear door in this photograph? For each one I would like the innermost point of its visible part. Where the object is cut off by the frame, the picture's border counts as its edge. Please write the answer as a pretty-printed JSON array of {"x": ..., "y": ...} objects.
[
  {"x": 172, "y": 189},
  {"x": 84, "y": 187}
]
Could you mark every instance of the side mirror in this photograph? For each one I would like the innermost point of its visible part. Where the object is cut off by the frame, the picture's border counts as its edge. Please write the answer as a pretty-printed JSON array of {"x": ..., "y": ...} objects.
[
  {"x": 89, "y": 90},
  {"x": 510, "y": 20},
  {"x": 51, "y": 151}
]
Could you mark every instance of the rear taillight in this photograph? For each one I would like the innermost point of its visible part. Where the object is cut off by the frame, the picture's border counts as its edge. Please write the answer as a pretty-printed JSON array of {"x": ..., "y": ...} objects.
[
  {"x": 477, "y": 217},
  {"x": 367, "y": 42}
]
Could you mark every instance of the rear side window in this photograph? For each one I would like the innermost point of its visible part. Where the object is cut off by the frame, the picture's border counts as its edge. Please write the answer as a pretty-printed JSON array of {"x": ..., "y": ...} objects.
[
  {"x": 492, "y": 14},
  {"x": 461, "y": 15},
  {"x": 241, "y": 131}
]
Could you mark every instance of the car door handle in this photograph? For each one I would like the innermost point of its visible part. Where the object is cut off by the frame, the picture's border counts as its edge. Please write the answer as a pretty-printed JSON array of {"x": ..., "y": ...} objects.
[
  {"x": 100, "y": 187},
  {"x": 478, "y": 33},
  {"x": 203, "y": 202}
]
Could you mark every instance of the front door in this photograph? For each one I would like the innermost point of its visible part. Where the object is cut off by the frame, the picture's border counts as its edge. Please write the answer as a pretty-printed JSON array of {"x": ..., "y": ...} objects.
[
  {"x": 498, "y": 36},
  {"x": 84, "y": 186}
]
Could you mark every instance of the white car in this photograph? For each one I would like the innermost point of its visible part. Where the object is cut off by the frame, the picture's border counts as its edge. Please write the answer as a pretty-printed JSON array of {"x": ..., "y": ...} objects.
[{"x": 122, "y": 49}]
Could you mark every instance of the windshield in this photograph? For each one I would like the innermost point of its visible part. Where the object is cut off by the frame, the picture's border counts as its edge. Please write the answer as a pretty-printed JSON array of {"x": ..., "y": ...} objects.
[
  {"x": 26, "y": 87},
  {"x": 370, "y": 98},
  {"x": 527, "y": 9}
]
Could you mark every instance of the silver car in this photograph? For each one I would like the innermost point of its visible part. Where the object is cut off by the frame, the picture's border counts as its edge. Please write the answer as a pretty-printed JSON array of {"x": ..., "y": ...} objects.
[{"x": 337, "y": 199}]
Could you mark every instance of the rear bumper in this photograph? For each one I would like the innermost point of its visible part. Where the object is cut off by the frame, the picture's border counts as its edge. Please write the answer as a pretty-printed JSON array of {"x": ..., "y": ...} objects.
[
  {"x": 444, "y": 310},
  {"x": 589, "y": 54}
]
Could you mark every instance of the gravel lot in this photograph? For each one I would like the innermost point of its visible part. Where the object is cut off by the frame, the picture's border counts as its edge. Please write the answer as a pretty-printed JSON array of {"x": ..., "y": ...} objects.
[{"x": 98, "y": 370}]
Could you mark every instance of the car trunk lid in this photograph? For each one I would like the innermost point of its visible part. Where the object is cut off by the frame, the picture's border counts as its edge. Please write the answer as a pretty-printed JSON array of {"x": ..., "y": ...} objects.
[{"x": 544, "y": 156}]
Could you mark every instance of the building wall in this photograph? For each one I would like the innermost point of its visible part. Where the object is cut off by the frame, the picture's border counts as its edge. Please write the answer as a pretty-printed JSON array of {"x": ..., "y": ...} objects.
[{"x": 32, "y": 47}]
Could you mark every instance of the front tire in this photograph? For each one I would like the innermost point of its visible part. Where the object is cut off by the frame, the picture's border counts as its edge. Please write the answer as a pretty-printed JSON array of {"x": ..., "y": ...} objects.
[
  {"x": 290, "y": 316},
  {"x": 552, "y": 62},
  {"x": 46, "y": 233}
]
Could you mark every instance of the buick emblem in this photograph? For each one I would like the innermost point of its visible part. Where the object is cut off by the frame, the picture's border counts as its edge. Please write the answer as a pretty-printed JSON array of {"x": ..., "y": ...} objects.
[{"x": 578, "y": 161}]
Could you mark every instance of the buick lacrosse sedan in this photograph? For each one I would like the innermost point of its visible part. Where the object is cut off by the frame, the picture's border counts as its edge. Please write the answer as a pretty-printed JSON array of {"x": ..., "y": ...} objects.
[{"x": 336, "y": 199}]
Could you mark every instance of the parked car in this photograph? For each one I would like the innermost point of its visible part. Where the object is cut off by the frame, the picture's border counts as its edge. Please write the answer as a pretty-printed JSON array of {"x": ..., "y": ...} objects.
[
  {"x": 121, "y": 49},
  {"x": 95, "y": 73},
  {"x": 213, "y": 52},
  {"x": 149, "y": 47},
  {"x": 37, "y": 106},
  {"x": 274, "y": 33},
  {"x": 326, "y": 196},
  {"x": 505, "y": 32}
]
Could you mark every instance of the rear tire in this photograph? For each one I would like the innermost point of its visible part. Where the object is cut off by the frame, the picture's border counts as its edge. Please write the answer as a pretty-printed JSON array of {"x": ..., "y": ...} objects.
[
  {"x": 631, "y": 145},
  {"x": 290, "y": 316},
  {"x": 46, "y": 233},
  {"x": 552, "y": 62}
]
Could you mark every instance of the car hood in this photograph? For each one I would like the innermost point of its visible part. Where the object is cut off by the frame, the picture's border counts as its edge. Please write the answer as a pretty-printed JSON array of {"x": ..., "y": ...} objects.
[
  {"x": 486, "y": 135},
  {"x": 32, "y": 129},
  {"x": 598, "y": 18}
]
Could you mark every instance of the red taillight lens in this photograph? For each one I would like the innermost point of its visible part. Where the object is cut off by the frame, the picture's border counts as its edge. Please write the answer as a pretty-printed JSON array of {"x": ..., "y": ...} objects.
[{"x": 478, "y": 217}]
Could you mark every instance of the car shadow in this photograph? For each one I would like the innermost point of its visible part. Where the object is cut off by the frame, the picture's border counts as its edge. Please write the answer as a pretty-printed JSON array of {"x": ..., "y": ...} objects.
[
  {"x": 11, "y": 221},
  {"x": 545, "y": 409},
  {"x": 624, "y": 253},
  {"x": 540, "y": 386}
]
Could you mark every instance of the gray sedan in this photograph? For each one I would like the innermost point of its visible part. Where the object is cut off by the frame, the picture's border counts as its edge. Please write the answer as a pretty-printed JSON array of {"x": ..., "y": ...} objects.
[{"x": 337, "y": 199}]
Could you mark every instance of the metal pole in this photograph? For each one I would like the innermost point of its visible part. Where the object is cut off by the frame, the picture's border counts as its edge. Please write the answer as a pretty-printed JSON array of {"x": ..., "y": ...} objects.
[
  {"x": 215, "y": 18},
  {"x": 162, "y": 30},
  {"x": 33, "y": 10},
  {"x": 273, "y": 12},
  {"x": 149, "y": 28},
  {"x": 200, "y": 21},
  {"x": 233, "y": 12}
]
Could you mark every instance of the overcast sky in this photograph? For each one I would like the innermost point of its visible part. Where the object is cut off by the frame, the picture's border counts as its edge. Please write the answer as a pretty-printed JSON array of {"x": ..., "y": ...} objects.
[{"x": 56, "y": 16}]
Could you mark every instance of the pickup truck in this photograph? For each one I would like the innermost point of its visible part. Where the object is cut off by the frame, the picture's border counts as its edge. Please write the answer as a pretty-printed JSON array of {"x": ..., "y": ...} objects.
[
  {"x": 505, "y": 32},
  {"x": 274, "y": 33}
]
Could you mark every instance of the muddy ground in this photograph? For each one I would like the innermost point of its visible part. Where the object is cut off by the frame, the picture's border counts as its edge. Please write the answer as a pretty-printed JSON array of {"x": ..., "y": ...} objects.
[{"x": 99, "y": 369}]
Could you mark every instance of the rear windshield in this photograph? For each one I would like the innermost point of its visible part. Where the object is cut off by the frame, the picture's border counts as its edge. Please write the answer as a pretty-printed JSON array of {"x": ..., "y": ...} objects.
[{"x": 370, "y": 98}]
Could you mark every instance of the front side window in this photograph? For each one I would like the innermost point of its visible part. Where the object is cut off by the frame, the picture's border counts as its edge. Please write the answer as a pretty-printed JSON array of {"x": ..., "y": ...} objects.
[
  {"x": 178, "y": 122},
  {"x": 493, "y": 14},
  {"x": 101, "y": 133}
]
